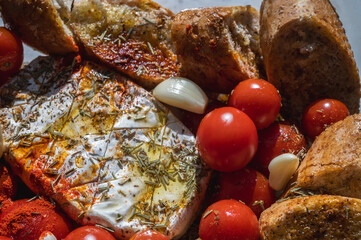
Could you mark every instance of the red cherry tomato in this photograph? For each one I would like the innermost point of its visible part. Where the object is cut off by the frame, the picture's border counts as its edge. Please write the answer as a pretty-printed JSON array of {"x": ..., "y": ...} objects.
[
  {"x": 192, "y": 120},
  {"x": 149, "y": 235},
  {"x": 11, "y": 54},
  {"x": 275, "y": 140},
  {"x": 4, "y": 238},
  {"x": 28, "y": 220},
  {"x": 259, "y": 99},
  {"x": 321, "y": 114},
  {"x": 247, "y": 185},
  {"x": 227, "y": 139},
  {"x": 228, "y": 219},
  {"x": 89, "y": 232}
]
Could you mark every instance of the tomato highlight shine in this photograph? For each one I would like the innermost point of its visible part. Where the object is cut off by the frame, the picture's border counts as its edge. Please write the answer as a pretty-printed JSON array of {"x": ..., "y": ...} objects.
[{"x": 227, "y": 139}]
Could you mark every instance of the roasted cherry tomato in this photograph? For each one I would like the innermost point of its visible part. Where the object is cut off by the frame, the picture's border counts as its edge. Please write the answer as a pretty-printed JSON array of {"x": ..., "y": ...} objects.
[
  {"x": 192, "y": 120},
  {"x": 27, "y": 220},
  {"x": 227, "y": 139},
  {"x": 321, "y": 114},
  {"x": 275, "y": 140},
  {"x": 228, "y": 219},
  {"x": 259, "y": 99},
  {"x": 11, "y": 54},
  {"x": 90, "y": 232},
  {"x": 248, "y": 186},
  {"x": 149, "y": 235}
]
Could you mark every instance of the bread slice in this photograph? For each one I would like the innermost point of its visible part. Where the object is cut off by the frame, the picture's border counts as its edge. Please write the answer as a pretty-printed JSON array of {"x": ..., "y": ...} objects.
[
  {"x": 333, "y": 163},
  {"x": 39, "y": 25},
  {"x": 132, "y": 36},
  {"x": 307, "y": 55},
  {"x": 218, "y": 47},
  {"x": 313, "y": 217}
]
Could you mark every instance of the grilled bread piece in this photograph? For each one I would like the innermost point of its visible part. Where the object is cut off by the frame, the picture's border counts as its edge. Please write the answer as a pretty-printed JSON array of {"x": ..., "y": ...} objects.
[
  {"x": 218, "y": 47},
  {"x": 307, "y": 55},
  {"x": 313, "y": 217},
  {"x": 333, "y": 163},
  {"x": 39, "y": 25},
  {"x": 132, "y": 36},
  {"x": 102, "y": 147}
]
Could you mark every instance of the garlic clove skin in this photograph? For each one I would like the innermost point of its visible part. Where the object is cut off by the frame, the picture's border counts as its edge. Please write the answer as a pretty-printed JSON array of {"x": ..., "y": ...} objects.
[
  {"x": 281, "y": 170},
  {"x": 182, "y": 93}
]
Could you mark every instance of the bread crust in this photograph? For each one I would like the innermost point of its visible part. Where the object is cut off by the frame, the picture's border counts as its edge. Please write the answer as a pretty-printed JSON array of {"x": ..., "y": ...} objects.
[
  {"x": 39, "y": 25},
  {"x": 312, "y": 217},
  {"x": 307, "y": 55},
  {"x": 333, "y": 163},
  {"x": 218, "y": 47}
]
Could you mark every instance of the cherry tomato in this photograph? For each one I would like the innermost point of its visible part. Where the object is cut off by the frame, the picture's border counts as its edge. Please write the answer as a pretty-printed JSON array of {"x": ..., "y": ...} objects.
[
  {"x": 259, "y": 99},
  {"x": 228, "y": 219},
  {"x": 192, "y": 120},
  {"x": 11, "y": 54},
  {"x": 248, "y": 186},
  {"x": 28, "y": 220},
  {"x": 321, "y": 114},
  {"x": 149, "y": 235},
  {"x": 227, "y": 139},
  {"x": 89, "y": 232},
  {"x": 275, "y": 140},
  {"x": 4, "y": 238}
]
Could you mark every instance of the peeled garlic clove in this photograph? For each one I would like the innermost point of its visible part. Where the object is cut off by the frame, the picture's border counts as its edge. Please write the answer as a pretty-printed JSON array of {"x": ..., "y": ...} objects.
[
  {"x": 281, "y": 169},
  {"x": 181, "y": 93}
]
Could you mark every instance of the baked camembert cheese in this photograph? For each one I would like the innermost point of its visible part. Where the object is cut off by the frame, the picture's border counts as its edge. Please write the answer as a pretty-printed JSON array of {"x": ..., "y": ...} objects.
[{"x": 102, "y": 147}]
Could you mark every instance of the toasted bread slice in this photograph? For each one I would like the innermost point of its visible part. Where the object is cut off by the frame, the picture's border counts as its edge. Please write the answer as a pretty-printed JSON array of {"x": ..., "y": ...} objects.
[
  {"x": 333, "y": 163},
  {"x": 133, "y": 36},
  {"x": 39, "y": 25},
  {"x": 307, "y": 55},
  {"x": 218, "y": 47},
  {"x": 313, "y": 217}
]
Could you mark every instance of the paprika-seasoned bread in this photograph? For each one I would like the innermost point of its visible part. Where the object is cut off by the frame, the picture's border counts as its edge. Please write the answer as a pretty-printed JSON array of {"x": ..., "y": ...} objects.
[
  {"x": 312, "y": 217},
  {"x": 218, "y": 47},
  {"x": 132, "y": 36},
  {"x": 39, "y": 25},
  {"x": 307, "y": 55},
  {"x": 333, "y": 163}
]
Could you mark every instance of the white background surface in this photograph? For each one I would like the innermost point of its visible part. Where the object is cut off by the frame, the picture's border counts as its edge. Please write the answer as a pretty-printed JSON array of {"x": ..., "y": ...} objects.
[{"x": 348, "y": 10}]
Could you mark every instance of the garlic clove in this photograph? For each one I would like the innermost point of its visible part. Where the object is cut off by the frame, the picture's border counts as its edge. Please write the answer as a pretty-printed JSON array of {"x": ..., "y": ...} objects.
[
  {"x": 281, "y": 170},
  {"x": 181, "y": 93}
]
